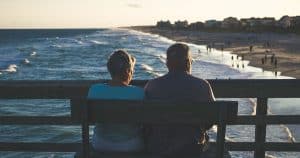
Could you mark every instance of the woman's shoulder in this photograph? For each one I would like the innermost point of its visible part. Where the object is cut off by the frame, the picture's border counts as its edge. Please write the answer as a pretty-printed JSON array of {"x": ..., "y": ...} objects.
[
  {"x": 106, "y": 86},
  {"x": 101, "y": 90},
  {"x": 135, "y": 88}
]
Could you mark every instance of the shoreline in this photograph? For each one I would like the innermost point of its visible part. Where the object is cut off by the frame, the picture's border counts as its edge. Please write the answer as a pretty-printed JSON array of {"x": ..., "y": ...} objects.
[{"x": 285, "y": 47}]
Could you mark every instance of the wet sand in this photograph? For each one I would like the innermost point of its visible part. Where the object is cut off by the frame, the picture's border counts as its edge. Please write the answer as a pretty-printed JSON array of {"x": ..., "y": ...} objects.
[{"x": 285, "y": 47}]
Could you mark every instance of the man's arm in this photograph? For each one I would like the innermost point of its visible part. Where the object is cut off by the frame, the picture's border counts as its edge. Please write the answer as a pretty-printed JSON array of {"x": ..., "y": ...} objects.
[{"x": 211, "y": 96}]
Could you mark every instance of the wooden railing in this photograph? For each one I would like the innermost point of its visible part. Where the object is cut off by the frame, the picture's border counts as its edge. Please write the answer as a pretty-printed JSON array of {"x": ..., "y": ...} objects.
[{"x": 77, "y": 90}]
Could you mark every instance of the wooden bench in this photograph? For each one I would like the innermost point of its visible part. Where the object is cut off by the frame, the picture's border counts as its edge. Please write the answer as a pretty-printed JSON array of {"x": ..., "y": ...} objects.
[{"x": 155, "y": 112}]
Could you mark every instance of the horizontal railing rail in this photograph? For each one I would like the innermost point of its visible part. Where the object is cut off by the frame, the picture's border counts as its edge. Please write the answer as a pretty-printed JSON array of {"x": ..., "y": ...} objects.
[{"x": 77, "y": 90}]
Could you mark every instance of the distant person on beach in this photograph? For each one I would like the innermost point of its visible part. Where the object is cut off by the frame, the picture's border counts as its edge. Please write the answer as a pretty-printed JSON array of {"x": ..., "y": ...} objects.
[
  {"x": 251, "y": 48},
  {"x": 178, "y": 84},
  {"x": 118, "y": 137},
  {"x": 275, "y": 62},
  {"x": 272, "y": 58},
  {"x": 266, "y": 57}
]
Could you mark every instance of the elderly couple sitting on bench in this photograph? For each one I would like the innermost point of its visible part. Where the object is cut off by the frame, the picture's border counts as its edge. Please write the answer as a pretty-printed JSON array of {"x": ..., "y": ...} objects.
[{"x": 177, "y": 84}]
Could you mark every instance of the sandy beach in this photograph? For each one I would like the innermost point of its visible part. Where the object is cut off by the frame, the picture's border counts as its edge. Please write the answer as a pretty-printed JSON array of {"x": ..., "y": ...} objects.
[{"x": 285, "y": 48}]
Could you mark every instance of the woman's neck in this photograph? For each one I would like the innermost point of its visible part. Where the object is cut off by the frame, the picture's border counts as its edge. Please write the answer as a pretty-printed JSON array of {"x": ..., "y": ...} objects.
[{"x": 117, "y": 82}]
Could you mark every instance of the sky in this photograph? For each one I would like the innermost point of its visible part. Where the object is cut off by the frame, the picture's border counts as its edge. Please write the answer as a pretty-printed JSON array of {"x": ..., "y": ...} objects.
[{"x": 115, "y": 13}]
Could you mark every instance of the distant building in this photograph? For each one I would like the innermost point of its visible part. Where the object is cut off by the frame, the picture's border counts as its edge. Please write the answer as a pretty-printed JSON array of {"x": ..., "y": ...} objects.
[
  {"x": 290, "y": 24},
  {"x": 212, "y": 24},
  {"x": 251, "y": 22},
  {"x": 164, "y": 24},
  {"x": 230, "y": 23},
  {"x": 284, "y": 22},
  {"x": 295, "y": 21},
  {"x": 181, "y": 24},
  {"x": 196, "y": 25},
  {"x": 268, "y": 21}
]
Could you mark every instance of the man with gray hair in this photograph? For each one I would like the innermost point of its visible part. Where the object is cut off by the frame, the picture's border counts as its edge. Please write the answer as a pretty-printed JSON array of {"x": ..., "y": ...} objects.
[{"x": 178, "y": 84}]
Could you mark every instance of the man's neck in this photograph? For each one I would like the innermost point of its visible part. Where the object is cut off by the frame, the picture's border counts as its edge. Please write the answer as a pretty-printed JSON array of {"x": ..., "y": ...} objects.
[{"x": 178, "y": 72}]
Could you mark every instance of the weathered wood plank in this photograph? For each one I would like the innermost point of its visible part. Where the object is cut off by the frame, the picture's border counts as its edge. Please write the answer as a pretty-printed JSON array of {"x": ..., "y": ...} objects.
[
  {"x": 73, "y": 147},
  {"x": 237, "y": 88},
  {"x": 274, "y": 146},
  {"x": 270, "y": 120},
  {"x": 166, "y": 112},
  {"x": 36, "y": 120},
  {"x": 268, "y": 146},
  {"x": 40, "y": 147},
  {"x": 66, "y": 120},
  {"x": 260, "y": 128}
]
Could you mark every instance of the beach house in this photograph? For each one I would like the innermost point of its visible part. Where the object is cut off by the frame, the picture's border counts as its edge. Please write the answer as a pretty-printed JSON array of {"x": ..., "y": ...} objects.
[
  {"x": 284, "y": 22},
  {"x": 196, "y": 25},
  {"x": 181, "y": 24},
  {"x": 164, "y": 24},
  {"x": 230, "y": 23}
]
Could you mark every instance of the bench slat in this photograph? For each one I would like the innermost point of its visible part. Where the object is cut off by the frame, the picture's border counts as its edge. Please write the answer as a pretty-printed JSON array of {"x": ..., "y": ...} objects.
[
  {"x": 36, "y": 120},
  {"x": 40, "y": 147},
  {"x": 158, "y": 112}
]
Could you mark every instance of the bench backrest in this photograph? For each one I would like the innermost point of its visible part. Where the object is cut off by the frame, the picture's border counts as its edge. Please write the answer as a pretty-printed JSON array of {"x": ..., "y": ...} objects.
[{"x": 158, "y": 112}]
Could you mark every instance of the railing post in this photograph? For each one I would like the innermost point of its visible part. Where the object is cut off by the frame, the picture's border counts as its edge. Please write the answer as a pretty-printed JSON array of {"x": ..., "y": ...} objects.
[
  {"x": 85, "y": 131},
  {"x": 260, "y": 128},
  {"x": 221, "y": 132}
]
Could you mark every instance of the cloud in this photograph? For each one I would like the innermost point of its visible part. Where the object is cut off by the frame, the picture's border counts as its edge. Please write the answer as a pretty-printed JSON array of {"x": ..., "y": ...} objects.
[{"x": 134, "y": 5}]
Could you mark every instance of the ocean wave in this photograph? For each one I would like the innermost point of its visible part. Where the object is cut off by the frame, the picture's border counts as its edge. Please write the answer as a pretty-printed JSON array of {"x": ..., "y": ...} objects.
[
  {"x": 79, "y": 42},
  {"x": 26, "y": 61},
  {"x": 99, "y": 42},
  {"x": 11, "y": 68},
  {"x": 56, "y": 46},
  {"x": 26, "y": 49},
  {"x": 157, "y": 74},
  {"x": 162, "y": 58},
  {"x": 146, "y": 67},
  {"x": 33, "y": 54},
  {"x": 290, "y": 136}
]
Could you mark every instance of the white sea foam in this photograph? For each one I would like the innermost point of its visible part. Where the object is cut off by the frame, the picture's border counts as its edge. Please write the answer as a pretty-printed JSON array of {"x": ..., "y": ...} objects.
[
  {"x": 11, "y": 68},
  {"x": 163, "y": 60},
  {"x": 99, "y": 42},
  {"x": 146, "y": 67},
  {"x": 79, "y": 42},
  {"x": 157, "y": 74},
  {"x": 56, "y": 46},
  {"x": 291, "y": 138},
  {"x": 25, "y": 61},
  {"x": 33, "y": 54}
]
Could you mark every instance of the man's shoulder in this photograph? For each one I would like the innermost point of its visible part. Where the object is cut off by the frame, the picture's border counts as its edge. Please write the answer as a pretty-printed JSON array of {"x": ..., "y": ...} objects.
[
  {"x": 157, "y": 80},
  {"x": 197, "y": 80}
]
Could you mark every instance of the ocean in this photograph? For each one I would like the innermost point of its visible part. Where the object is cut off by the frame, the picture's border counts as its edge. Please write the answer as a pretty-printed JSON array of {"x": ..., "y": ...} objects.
[{"x": 81, "y": 54}]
